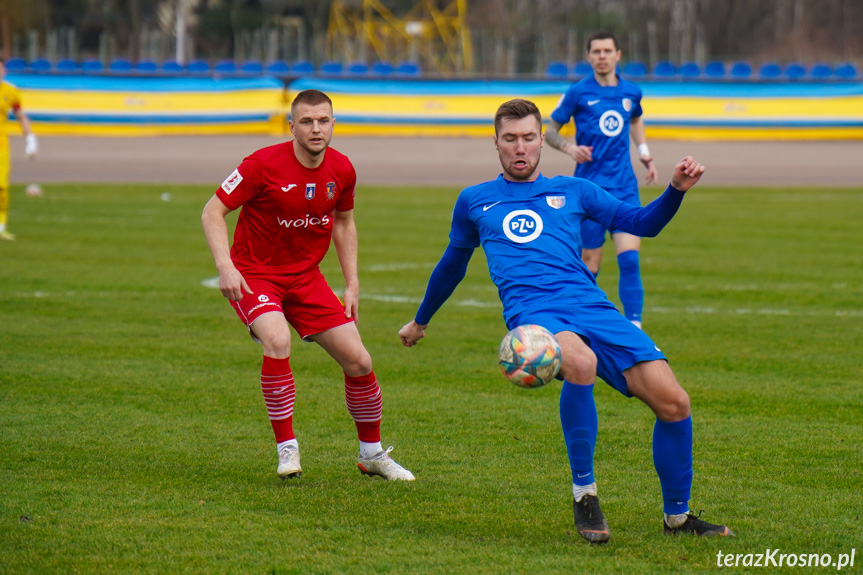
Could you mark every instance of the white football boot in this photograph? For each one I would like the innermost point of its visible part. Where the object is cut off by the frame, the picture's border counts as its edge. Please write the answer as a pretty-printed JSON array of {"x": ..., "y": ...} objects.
[
  {"x": 381, "y": 464},
  {"x": 289, "y": 463}
]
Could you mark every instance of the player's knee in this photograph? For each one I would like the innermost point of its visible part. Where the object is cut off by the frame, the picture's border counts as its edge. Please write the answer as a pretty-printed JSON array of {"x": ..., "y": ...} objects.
[
  {"x": 277, "y": 344},
  {"x": 579, "y": 366},
  {"x": 676, "y": 407},
  {"x": 627, "y": 262},
  {"x": 358, "y": 364}
]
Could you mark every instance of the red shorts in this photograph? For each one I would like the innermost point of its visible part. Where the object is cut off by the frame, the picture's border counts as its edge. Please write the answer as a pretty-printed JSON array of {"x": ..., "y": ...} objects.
[{"x": 307, "y": 302}]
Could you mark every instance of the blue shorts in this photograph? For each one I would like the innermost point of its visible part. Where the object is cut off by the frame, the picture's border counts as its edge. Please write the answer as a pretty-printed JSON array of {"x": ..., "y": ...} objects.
[
  {"x": 593, "y": 233},
  {"x": 617, "y": 343}
]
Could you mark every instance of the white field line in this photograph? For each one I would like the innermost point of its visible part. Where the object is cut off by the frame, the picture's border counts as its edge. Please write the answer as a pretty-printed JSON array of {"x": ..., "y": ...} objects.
[{"x": 213, "y": 283}]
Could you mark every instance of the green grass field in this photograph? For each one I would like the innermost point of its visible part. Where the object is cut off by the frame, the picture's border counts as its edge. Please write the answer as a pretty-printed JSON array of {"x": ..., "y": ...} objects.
[{"x": 133, "y": 435}]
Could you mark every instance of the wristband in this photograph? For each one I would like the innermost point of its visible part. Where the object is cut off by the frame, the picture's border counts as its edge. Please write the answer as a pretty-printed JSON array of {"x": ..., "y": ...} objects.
[{"x": 643, "y": 150}]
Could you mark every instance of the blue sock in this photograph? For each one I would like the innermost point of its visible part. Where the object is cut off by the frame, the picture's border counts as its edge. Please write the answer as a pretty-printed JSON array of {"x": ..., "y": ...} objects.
[
  {"x": 579, "y": 422},
  {"x": 672, "y": 457},
  {"x": 629, "y": 286}
]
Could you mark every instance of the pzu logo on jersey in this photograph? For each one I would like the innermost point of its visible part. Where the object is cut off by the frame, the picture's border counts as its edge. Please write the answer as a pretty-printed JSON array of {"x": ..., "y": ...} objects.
[{"x": 522, "y": 226}]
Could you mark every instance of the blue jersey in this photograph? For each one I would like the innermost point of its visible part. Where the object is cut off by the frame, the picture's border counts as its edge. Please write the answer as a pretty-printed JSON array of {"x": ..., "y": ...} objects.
[
  {"x": 602, "y": 115},
  {"x": 530, "y": 234}
]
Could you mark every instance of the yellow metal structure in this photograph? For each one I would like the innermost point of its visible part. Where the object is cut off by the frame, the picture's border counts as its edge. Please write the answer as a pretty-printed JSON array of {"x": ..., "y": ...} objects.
[{"x": 434, "y": 34}]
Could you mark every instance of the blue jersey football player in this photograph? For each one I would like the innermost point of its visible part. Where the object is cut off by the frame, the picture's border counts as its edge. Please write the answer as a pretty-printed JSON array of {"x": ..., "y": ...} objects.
[
  {"x": 528, "y": 225},
  {"x": 607, "y": 112}
]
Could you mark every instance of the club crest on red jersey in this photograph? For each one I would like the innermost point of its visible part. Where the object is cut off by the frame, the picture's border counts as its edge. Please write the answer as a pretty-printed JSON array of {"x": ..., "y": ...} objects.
[
  {"x": 310, "y": 191},
  {"x": 331, "y": 190}
]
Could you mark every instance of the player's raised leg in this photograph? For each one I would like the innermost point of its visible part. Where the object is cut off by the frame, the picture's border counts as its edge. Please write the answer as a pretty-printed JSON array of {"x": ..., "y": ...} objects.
[
  {"x": 629, "y": 285},
  {"x": 579, "y": 423},
  {"x": 277, "y": 385},
  {"x": 654, "y": 383},
  {"x": 364, "y": 401}
]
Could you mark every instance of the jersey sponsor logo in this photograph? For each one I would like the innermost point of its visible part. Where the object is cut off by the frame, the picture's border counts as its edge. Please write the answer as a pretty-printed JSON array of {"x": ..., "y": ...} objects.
[
  {"x": 263, "y": 298},
  {"x": 304, "y": 222},
  {"x": 555, "y": 202},
  {"x": 611, "y": 123},
  {"x": 627, "y": 105},
  {"x": 289, "y": 187},
  {"x": 592, "y": 102},
  {"x": 232, "y": 181},
  {"x": 310, "y": 191},
  {"x": 331, "y": 190},
  {"x": 522, "y": 226},
  {"x": 490, "y": 206}
]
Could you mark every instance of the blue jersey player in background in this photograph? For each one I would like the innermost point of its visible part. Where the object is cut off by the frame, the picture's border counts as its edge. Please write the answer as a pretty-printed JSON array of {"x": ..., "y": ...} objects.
[
  {"x": 528, "y": 225},
  {"x": 607, "y": 112}
]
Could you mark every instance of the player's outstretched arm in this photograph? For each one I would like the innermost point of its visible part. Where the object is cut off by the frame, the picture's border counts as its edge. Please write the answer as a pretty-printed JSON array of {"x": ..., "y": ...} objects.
[
  {"x": 447, "y": 274},
  {"x": 686, "y": 173},
  {"x": 411, "y": 333},
  {"x": 31, "y": 147},
  {"x": 636, "y": 132},
  {"x": 345, "y": 242},
  {"x": 578, "y": 153},
  {"x": 232, "y": 284}
]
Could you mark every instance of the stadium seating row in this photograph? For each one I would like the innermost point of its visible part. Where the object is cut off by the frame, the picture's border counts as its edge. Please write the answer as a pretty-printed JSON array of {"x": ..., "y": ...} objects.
[
  {"x": 716, "y": 71},
  {"x": 203, "y": 67}
]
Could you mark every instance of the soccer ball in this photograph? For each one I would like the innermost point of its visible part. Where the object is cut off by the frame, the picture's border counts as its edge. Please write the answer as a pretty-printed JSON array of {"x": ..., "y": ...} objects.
[
  {"x": 34, "y": 190},
  {"x": 529, "y": 356}
]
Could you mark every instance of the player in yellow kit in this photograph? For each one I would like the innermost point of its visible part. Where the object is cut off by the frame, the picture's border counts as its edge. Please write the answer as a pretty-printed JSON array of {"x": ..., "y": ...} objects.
[{"x": 10, "y": 100}]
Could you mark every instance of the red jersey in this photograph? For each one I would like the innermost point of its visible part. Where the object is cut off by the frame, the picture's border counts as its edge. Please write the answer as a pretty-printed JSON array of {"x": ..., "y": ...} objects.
[{"x": 286, "y": 223}]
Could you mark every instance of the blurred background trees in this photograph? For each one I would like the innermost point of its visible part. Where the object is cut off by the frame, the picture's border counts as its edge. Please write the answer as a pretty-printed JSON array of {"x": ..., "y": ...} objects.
[{"x": 477, "y": 37}]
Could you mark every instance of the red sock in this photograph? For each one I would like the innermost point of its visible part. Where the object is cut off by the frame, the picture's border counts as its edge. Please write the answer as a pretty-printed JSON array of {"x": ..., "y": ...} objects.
[
  {"x": 277, "y": 383},
  {"x": 363, "y": 397}
]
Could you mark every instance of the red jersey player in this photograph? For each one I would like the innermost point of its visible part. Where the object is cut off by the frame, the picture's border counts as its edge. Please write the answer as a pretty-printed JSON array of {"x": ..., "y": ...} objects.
[{"x": 296, "y": 196}]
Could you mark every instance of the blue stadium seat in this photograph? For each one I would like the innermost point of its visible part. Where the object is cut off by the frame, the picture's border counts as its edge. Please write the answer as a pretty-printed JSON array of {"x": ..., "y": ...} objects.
[
  {"x": 92, "y": 66},
  {"x": 277, "y": 68},
  {"x": 556, "y": 70},
  {"x": 664, "y": 70},
  {"x": 67, "y": 66},
  {"x": 689, "y": 70},
  {"x": 198, "y": 67},
  {"x": 120, "y": 66},
  {"x": 845, "y": 71},
  {"x": 821, "y": 71},
  {"x": 302, "y": 67},
  {"x": 583, "y": 69},
  {"x": 332, "y": 67},
  {"x": 252, "y": 68},
  {"x": 14, "y": 65},
  {"x": 41, "y": 66},
  {"x": 225, "y": 67},
  {"x": 794, "y": 71},
  {"x": 145, "y": 67},
  {"x": 714, "y": 69},
  {"x": 171, "y": 67},
  {"x": 741, "y": 70},
  {"x": 408, "y": 69},
  {"x": 770, "y": 71},
  {"x": 357, "y": 69},
  {"x": 635, "y": 70},
  {"x": 382, "y": 69}
]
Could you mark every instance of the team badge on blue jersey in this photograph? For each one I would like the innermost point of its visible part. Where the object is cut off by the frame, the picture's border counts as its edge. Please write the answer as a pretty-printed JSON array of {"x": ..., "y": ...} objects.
[
  {"x": 627, "y": 104},
  {"x": 522, "y": 226},
  {"x": 310, "y": 191},
  {"x": 556, "y": 202},
  {"x": 331, "y": 190}
]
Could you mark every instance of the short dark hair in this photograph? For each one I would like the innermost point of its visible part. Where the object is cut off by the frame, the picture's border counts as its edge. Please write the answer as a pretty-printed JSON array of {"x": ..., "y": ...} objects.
[
  {"x": 602, "y": 35},
  {"x": 311, "y": 98},
  {"x": 515, "y": 110}
]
